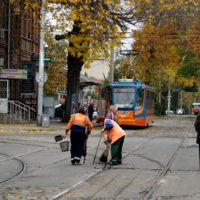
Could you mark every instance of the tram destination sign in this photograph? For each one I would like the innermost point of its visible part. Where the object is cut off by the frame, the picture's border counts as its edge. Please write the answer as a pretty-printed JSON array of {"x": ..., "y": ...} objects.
[{"x": 124, "y": 89}]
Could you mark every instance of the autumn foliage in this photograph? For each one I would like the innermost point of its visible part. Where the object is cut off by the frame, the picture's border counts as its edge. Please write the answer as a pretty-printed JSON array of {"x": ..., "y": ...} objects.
[{"x": 156, "y": 54}]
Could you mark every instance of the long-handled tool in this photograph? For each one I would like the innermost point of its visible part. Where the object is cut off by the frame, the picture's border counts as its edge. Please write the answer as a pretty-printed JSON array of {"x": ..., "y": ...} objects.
[
  {"x": 98, "y": 145},
  {"x": 84, "y": 152}
]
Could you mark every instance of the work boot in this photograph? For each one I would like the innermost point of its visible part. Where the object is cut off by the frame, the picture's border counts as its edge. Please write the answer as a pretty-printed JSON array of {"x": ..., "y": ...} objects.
[{"x": 76, "y": 163}]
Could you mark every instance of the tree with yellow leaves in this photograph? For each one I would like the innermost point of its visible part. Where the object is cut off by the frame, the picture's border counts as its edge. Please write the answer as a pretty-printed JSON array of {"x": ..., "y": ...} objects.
[
  {"x": 155, "y": 52},
  {"x": 57, "y": 73},
  {"x": 93, "y": 27}
]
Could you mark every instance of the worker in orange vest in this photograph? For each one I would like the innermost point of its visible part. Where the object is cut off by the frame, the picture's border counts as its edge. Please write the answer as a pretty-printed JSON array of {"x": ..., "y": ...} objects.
[
  {"x": 77, "y": 124},
  {"x": 116, "y": 134}
]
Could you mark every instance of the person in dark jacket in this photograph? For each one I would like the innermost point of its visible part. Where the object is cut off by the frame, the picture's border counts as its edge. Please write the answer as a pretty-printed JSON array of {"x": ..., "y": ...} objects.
[
  {"x": 91, "y": 110},
  {"x": 197, "y": 128},
  {"x": 77, "y": 124}
]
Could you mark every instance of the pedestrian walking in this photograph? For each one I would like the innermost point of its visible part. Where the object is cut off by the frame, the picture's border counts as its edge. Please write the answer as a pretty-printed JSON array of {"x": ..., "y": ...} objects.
[
  {"x": 197, "y": 128},
  {"x": 77, "y": 124},
  {"x": 111, "y": 115},
  {"x": 91, "y": 110},
  {"x": 116, "y": 135}
]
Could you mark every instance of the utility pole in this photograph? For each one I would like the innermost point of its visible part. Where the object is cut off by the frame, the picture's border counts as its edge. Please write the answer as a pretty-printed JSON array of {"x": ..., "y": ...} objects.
[
  {"x": 181, "y": 98},
  {"x": 112, "y": 67},
  {"x": 41, "y": 67},
  {"x": 9, "y": 12}
]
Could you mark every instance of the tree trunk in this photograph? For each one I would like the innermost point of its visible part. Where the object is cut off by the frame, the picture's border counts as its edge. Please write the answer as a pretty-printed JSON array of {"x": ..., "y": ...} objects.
[
  {"x": 74, "y": 68},
  {"x": 77, "y": 95}
]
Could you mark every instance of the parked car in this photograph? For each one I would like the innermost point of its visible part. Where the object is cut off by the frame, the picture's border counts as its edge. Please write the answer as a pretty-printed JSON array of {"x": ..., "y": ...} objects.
[
  {"x": 180, "y": 111},
  {"x": 171, "y": 112},
  {"x": 58, "y": 112}
]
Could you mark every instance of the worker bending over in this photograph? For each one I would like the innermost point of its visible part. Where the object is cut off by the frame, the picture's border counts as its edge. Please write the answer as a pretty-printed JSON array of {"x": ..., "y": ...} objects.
[{"x": 116, "y": 134}]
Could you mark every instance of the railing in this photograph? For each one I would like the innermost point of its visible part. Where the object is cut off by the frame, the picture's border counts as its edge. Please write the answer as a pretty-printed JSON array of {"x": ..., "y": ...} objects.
[
  {"x": 27, "y": 107},
  {"x": 17, "y": 109}
]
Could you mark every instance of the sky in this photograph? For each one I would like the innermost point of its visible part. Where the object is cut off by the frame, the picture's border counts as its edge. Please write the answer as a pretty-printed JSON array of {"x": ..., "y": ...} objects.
[{"x": 126, "y": 42}]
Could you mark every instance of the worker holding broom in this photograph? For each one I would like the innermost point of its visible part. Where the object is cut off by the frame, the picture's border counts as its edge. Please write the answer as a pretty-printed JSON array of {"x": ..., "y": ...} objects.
[
  {"x": 77, "y": 124},
  {"x": 116, "y": 134}
]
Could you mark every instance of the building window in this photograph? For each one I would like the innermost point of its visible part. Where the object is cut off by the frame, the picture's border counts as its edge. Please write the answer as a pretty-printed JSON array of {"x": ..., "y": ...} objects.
[{"x": 2, "y": 19}]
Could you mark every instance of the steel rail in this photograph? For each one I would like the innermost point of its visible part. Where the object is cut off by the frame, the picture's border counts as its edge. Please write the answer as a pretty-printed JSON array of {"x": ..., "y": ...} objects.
[
  {"x": 100, "y": 170},
  {"x": 19, "y": 175},
  {"x": 52, "y": 163},
  {"x": 13, "y": 157},
  {"x": 79, "y": 183},
  {"x": 166, "y": 168},
  {"x": 84, "y": 180},
  {"x": 21, "y": 171}
]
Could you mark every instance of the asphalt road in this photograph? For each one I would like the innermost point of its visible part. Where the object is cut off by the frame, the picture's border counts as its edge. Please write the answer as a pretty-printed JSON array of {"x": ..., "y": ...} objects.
[{"x": 160, "y": 162}]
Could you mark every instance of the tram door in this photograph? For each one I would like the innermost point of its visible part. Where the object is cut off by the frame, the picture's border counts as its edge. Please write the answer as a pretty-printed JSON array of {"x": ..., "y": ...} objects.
[{"x": 3, "y": 96}]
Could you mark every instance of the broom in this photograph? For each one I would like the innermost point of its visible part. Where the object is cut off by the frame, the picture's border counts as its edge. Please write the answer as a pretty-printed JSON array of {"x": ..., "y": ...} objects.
[
  {"x": 84, "y": 152},
  {"x": 104, "y": 155}
]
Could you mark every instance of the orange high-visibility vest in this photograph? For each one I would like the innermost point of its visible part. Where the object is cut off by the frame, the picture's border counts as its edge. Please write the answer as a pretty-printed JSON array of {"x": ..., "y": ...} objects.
[
  {"x": 114, "y": 133},
  {"x": 79, "y": 120}
]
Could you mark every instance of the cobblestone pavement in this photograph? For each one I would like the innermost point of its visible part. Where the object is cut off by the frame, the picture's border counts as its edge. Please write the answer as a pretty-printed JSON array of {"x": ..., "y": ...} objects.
[{"x": 45, "y": 193}]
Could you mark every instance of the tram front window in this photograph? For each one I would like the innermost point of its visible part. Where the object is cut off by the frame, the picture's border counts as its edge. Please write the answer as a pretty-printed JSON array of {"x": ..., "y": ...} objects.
[{"x": 124, "y": 98}]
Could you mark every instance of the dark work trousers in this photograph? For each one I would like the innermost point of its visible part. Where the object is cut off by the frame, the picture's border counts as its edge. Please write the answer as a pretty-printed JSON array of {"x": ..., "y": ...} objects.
[
  {"x": 116, "y": 151},
  {"x": 90, "y": 117},
  {"x": 77, "y": 140}
]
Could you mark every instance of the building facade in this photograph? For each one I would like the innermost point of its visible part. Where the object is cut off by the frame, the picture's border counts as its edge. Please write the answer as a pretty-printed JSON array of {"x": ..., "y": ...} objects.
[{"x": 19, "y": 42}]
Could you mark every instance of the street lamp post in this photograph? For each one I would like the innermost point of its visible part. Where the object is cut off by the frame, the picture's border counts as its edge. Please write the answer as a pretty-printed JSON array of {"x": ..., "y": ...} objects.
[
  {"x": 169, "y": 98},
  {"x": 41, "y": 67},
  {"x": 112, "y": 66}
]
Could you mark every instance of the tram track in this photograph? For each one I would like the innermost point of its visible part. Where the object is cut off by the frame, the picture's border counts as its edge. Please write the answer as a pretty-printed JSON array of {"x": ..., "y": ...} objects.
[
  {"x": 99, "y": 170},
  {"x": 153, "y": 186},
  {"x": 19, "y": 173},
  {"x": 22, "y": 172},
  {"x": 109, "y": 166}
]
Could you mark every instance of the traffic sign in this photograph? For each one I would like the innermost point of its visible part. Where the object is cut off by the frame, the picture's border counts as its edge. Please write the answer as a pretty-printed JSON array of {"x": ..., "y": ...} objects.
[
  {"x": 45, "y": 77},
  {"x": 37, "y": 59},
  {"x": 46, "y": 65}
]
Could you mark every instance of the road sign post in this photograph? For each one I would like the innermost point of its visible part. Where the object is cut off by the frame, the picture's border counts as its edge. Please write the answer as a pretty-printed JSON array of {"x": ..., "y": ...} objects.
[
  {"x": 46, "y": 65},
  {"x": 41, "y": 67}
]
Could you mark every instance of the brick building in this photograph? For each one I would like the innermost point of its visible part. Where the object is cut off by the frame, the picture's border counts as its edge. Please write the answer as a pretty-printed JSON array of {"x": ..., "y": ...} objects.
[{"x": 18, "y": 45}]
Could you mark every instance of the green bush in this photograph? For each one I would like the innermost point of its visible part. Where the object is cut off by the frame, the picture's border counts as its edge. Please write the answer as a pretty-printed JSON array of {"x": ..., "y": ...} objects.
[
  {"x": 159, "y": 109},
  {"x": 93, "y": 95},
  {"x": 185, "y": 107}
]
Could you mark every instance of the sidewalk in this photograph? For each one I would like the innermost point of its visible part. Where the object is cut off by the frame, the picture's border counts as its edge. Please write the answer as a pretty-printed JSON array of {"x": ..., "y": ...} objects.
[{"x": 54, "y": 125}]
